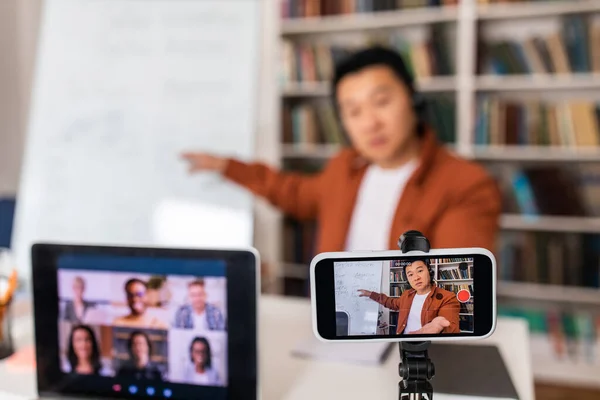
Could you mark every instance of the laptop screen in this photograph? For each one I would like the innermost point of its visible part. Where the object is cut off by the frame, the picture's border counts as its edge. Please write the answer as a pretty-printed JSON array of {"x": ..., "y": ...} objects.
[{"x": 142, "y": 327}]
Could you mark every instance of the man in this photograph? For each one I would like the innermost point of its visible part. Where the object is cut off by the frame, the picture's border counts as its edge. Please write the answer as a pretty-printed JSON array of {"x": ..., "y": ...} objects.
[
  {"x": 135, "y": 291},
  {"x": 423, "y": 309},
  {"x": 199, "y": 314},
  {"x": 395, "y": 177}
]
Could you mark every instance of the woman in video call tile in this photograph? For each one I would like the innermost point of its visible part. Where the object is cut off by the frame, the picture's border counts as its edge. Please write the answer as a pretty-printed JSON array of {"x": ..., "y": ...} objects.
[
  {"x": 199, "y": 314},
  {"x": 83, "y": 352},
  {"x": 139, "y": 365},
  {"x": 423, "y": 309},
  {"x": 137, "y": 301},
  {"x": 201, "y": 371},
  {"x": 75, "y": 310}
]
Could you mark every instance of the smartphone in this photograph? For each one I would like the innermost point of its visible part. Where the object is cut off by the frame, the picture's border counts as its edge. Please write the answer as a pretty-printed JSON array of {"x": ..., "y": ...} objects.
[{"x": 444, "y": 294}]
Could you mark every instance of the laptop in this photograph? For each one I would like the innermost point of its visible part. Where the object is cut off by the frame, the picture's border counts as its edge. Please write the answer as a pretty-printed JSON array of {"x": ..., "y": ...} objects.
[{"x": 145, "y": 323}]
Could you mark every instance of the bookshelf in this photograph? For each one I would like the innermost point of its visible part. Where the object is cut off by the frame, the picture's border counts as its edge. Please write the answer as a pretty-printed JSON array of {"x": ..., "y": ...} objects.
[
  {"x": 367, "y": 21},
  {"x": 471, "y": 26}
]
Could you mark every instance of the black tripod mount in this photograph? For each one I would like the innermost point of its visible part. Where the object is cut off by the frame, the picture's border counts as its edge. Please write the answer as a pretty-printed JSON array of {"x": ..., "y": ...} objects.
[{"x": 415, "y": 368}]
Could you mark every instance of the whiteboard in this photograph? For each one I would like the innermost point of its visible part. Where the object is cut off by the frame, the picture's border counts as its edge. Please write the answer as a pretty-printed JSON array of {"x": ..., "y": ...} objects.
[
  {"x": 121, "y": 89},
  {"x": 362, "y": 311}
]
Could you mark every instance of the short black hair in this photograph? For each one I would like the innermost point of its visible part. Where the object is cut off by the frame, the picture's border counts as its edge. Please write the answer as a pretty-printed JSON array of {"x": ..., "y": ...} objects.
[
  {"x": 134, "y": 280},
  {"x": 200, "y": 339},
  {"x": 425, "y": 261},
  {"x": 379, "y": 55}
]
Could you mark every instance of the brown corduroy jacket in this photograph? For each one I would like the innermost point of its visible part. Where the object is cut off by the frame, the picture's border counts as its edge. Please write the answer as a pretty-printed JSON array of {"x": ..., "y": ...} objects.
[
  {"x": 439, "y": 303},
  {"x": 453, "y": 201}
]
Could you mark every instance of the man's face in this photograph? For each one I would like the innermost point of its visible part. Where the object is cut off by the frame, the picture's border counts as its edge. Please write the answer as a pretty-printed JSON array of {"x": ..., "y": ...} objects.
[
  {"x": 197, "y": 297},
  {"x": 417, "y": 275},
  {"x": 136, "y": 298},
  {"x": 377, "y": 113}
]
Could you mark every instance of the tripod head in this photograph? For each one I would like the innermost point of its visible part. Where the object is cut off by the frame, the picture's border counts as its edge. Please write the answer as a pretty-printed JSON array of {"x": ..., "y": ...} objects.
[
  {"x": 415, "y": 368},
  {"x": 413, "y": 241}
]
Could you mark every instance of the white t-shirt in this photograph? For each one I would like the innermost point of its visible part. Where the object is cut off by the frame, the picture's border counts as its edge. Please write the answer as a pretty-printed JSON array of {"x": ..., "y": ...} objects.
[
  {"x": 200, "y": 322},
  {"x": 414, "y": 317},
  {"x": 376, "y": 205}
]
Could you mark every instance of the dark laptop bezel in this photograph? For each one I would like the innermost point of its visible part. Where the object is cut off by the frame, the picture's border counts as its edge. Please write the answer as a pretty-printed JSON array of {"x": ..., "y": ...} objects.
[{"x": 242, "y": 266}]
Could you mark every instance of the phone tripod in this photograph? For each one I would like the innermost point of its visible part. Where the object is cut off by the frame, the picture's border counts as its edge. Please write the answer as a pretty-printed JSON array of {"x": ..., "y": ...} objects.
[{"x": 415, "y": 368}]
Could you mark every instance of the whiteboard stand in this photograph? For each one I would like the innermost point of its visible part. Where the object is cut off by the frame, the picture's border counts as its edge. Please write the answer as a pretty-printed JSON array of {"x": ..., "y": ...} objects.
[{"x": 415, "y": 368}]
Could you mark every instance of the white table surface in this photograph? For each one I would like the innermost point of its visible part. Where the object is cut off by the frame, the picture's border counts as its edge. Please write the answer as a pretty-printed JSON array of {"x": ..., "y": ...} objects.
[{"x": 284, "y": 322}]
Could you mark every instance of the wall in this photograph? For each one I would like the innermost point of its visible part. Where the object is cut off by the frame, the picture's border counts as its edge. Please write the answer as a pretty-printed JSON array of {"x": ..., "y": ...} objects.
[{"x": 10, "y": 123}]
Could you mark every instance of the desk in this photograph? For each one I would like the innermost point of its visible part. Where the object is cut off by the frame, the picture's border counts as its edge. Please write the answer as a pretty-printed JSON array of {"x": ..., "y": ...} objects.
[{"x": 286, "y": 321}]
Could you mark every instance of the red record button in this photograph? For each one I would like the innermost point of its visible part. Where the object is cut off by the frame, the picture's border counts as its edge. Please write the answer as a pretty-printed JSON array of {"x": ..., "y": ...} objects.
[{"x": 463, "y": 296}]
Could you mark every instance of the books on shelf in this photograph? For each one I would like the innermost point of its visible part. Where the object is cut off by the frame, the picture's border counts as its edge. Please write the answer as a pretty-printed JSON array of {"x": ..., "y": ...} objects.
[
  {"x": 396, "y": 290},
  {"x": 441, "y": 116},
  {"x": 314, "y": 61},
  {"x": 567, "y": 124},
  {"x": 454, "y": 273},
  {"x": 566, "y": 259},
  {"x": 561, "y": 334},
  {"x": 453, "y": 260},
  {"x": 551, "y": 190},
  {"x": 311, "y": 123},
  {"x": 321, "y": 8},
  {"x": 397, "y": 276},
  {"x": 573, "y": 49},
  {"x": 310, "y": 61},
  {"x": 456, "y": 287}
]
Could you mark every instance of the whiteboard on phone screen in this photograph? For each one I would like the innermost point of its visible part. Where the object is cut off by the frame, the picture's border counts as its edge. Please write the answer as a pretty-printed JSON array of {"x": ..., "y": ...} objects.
[
  {"x": 349, "y": 277},
  {"x": 121, "y": 89}
]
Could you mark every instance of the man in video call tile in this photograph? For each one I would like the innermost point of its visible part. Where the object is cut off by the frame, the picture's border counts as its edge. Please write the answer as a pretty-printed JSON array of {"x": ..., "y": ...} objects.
[
  {"x": 199, "y": 314},
  {"x": 423, "y": 309},
  {"x": 135, "y": 291}
]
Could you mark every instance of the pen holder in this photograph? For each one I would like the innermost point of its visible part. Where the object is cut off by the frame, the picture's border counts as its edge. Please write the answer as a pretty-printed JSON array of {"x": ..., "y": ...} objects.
[{"x": 7, "y": 347}]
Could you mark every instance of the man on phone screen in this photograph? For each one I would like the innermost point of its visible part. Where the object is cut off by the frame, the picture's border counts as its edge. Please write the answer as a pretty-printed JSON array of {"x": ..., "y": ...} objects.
[{"x": 423, "y": 309}]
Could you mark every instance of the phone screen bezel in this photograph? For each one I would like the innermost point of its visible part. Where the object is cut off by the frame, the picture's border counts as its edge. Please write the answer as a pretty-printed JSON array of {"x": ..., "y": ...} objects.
[{"x": 484, "y": 309}]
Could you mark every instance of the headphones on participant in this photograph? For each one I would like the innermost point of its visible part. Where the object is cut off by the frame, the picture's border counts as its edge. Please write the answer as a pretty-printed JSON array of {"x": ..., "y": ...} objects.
[{"x": 419, "y": 103}]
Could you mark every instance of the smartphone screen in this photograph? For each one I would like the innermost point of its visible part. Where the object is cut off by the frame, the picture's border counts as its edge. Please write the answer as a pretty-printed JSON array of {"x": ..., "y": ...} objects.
[{"x": 410, "y": 297}]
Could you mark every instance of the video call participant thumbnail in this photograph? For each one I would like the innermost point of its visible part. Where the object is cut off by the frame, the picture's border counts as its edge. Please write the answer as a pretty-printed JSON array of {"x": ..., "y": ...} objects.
[
  {"x": 137, "y": 301},
  {"x": 83, "y": 352},
  {"x": 139, "y": 365},
  {"x": 75, "y": 310},
  {"x": 423, "y": 309},
  {"x": 201, "y": 371},
  {"x": 199, "y": 314}
]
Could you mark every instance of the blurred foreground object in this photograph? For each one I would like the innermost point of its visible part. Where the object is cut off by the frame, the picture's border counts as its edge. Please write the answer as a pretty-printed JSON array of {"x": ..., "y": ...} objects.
[{"x": 8, "y": 284}]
